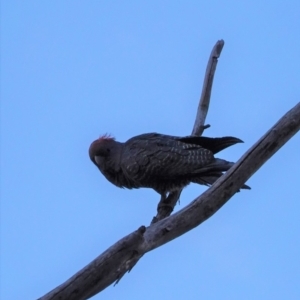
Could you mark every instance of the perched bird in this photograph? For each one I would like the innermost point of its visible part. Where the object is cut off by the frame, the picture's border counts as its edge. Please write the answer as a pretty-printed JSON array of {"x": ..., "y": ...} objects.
[{"x": 162, "y": 162}]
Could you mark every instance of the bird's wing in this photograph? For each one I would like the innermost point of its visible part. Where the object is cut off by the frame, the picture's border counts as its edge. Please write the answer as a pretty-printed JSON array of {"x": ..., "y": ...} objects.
[
  {"x": 162, "y": 156},
  {"x": 213, "y": 144}
]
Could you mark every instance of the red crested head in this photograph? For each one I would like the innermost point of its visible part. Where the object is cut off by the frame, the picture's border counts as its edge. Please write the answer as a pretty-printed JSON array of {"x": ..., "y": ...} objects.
[
  {"x": 106, "y": 137},
  {"x": 101, "y": 147}
]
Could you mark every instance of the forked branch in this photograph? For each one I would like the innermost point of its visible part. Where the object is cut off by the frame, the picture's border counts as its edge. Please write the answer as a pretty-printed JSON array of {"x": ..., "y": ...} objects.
[{"x": 111, "y": 265}]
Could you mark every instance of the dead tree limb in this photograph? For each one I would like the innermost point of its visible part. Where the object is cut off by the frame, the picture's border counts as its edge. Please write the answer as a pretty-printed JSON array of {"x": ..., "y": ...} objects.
[
  {"x": 165, "y": 207},
  {"x": 202, "y": 110},
  {"x": 111, "y": 265}
]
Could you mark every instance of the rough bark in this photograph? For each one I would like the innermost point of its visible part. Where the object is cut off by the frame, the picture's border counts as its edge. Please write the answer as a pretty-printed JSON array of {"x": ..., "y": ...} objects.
[{"x": 111, "y": 265}]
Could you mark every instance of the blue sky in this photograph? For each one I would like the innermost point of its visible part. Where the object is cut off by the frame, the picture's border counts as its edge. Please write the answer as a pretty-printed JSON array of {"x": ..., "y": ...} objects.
[{"x": 73, "y": 70}]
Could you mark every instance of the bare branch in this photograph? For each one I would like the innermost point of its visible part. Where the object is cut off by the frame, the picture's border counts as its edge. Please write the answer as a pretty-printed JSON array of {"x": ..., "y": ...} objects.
[
  {"x": 165, "y": 207},
  {"x": 113, "y": 263},
  {"x": 122, "y": 256},
  {"x": 206, "y": 89}
]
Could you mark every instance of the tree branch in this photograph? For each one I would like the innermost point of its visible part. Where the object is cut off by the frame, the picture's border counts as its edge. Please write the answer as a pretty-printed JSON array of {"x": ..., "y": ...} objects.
[
  {"x": 166, "y": 206},
  {"x": 199, "y": 126},
  {"x": 113, "y": 263}
]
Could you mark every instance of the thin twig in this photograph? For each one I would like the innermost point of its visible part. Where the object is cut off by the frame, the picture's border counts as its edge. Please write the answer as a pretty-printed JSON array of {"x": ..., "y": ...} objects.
[{"x": 206, "y": 89}]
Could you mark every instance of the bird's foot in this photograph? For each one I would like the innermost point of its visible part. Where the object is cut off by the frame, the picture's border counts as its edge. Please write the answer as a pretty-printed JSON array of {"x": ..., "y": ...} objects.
[{"x": 166, "y": 206}]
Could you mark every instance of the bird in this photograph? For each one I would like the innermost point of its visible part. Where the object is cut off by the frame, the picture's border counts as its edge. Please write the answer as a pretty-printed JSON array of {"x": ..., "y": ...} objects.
[{"x": 162, "y": 162}]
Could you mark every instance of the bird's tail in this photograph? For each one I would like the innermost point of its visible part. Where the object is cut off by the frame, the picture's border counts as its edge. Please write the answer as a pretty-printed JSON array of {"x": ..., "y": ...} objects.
[{"x": 213, "y": 172}]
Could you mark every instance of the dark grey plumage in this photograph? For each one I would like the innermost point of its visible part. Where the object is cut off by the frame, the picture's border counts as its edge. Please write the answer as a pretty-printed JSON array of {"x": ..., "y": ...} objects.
[{"x": 161, "y": 162}]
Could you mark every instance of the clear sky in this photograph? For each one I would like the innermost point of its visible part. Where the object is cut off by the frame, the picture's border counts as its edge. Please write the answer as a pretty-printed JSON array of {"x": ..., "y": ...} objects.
[{"x": 73, "y": 70}]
